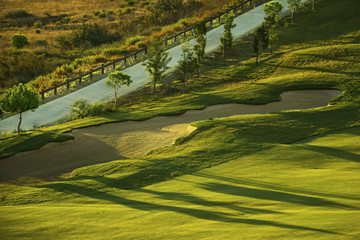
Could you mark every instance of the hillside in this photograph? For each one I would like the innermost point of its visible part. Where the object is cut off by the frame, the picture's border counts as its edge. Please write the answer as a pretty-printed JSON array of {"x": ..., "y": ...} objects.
[{"x": 283, "y": 175}]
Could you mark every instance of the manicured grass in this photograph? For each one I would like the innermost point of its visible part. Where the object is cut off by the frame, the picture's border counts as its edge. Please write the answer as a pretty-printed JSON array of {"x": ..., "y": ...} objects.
[
  {"x": 285, "y": 175},
  {"x": 304, "y": 190}
]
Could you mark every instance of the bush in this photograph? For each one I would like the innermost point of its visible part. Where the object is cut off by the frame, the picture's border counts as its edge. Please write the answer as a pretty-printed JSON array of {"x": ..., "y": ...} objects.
[
  {"x": 38, "y": 24},
  {"x": 18, "y": 14},
  {"x": 79, "y": 109},
  {"x": 91, "y": 34},
  {"x": 19, "y": 41},
  {"x": 134, "y": 40},
  {"x": 112, "y": 51},
  {"x": 41, "y": 43},
  {"x": 65, "y": 20},
  {"x": 102, "y": 15},
  {"x": 37, "y": 30}
]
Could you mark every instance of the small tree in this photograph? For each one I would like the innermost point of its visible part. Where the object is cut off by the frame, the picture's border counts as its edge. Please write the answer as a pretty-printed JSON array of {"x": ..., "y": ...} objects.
[
  {"x": 261, "y": 41},
  {"x": 187, "y": 63},
  {"x": 116, "y": 80},
  {"x": 294, "y": 6},
  {"x": 199, "y": 49},
  {"x": 273, "y": 8},
  {"x": 227, "y": 40},
  {"x": 156, "y": 64},
  {"x": 19, "y": 41},
  {"x": 270, "y": 25},
  {"x": 18, "y": 100}
]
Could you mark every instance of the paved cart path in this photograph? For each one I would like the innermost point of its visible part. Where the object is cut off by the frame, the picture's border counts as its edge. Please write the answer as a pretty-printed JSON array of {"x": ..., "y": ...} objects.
[{"x": 55, "y": 111}]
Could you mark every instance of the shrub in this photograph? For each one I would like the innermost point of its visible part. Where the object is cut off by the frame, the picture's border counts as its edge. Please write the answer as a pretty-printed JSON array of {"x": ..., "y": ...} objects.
[
  {"x": 79, "y": 109},
  {"x": 37, "y": 30},
  {"x": 65, "y": 20},
  {"x": 102, "y": 15},
  {"x": 91, "y": 34},
  {"x": 134, "y": 40},
  {"x": 112, "y": 51},
  {"x": 19, "y": 41},
  {"x": 38, "y": 24},
  {"x": 41, "y": 43},
  {"x": 96, "y": 12},
  {"x": 18, "y": 14},
  {"x": 130, "y": 2}
]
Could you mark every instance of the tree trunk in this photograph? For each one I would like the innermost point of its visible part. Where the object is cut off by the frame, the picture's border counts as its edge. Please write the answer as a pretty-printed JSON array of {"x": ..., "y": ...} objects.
[
  {"x": 313, "y": 5},
  {"x": 258, "y": 53},
  {"x": 198, "y": 65},
  {"x": 184, "y": 83},
  {"x": 20, "y": 120},
  {"x": 154, "y": 87},
  {"x": 115, "y": 100}
]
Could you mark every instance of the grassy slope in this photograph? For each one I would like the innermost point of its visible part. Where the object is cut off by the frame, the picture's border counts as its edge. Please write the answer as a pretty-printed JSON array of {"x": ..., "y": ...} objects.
[
  {"x": 270, "y": 189},
  {"x": 305, "y": 190}
]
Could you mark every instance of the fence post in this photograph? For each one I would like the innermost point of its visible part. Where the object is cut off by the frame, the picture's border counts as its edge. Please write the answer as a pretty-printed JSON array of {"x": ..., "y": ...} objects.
[
  {"x": 80, "y": 78},
  {"x": 42, "y": 95},
  {"x": 125, "y": 61},
  {"x": 114, "y": 65},
  {"x": 102, "y": 69},
  {"x": 135, "y": 56},
  {"x": 55, "y": 90},
  {"x": 145, "y": 50},
  {"x": 67, "y": 84},
  {"x": 91, "y": 73}
]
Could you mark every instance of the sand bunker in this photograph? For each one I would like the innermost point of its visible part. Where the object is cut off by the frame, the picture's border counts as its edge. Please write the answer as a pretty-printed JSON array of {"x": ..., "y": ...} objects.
[{"x": 123, "y": 140}]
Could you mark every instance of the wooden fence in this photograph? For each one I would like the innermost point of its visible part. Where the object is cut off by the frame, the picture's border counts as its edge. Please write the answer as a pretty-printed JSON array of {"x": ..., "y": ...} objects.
[{"x": 140, "y": 55}]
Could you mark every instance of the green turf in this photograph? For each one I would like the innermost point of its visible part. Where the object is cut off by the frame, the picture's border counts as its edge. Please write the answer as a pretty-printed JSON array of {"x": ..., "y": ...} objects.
[
  {"x": 304, "y": 190},
  {"x": 286, "y": 175}
]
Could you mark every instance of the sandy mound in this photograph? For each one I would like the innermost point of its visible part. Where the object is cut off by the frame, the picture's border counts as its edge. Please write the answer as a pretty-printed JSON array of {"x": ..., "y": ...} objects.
[{"x": 122, "y": 140}]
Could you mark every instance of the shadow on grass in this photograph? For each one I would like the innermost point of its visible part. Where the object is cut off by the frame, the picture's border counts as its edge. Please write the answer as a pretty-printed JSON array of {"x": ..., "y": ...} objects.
[
  {"x": 334, "y": 152},
  {"x": 197, "y": 213},
  {"x": 276, "y": 188},
  {"x": 272, "y": 195}
]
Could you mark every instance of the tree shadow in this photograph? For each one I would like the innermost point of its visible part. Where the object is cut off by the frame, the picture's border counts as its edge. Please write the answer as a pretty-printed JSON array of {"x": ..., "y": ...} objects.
[
  {"x": 197, "y": 213},
  {"x": 334, "y": 152},
  {"x": 271, "y": 186},
  {"x": 272, "y": 195}
]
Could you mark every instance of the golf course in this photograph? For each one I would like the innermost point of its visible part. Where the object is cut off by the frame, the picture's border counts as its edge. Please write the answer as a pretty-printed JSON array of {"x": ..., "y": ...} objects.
[{"x": 249, "y": 151}]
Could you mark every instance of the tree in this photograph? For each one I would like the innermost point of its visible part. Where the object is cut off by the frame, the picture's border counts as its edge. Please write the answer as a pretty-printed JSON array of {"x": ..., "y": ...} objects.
[
  {"x": 156, "y": 64},
  {"x": 261, "y": 41},
  {"x": 19, "y": 41},
  {"x": 270, "y": 25},
  {"x": 227, "y": 39},
  {"x": 18, "y": 100},
  {"x": 116, "y": 80},
  {"x": 187, "y": 63},
  {"x": 199, "y": 49},
  {"x": 294, "y": 6},
  {"x": 313, "y": 5},
  {"x": 273, "y": 8}
]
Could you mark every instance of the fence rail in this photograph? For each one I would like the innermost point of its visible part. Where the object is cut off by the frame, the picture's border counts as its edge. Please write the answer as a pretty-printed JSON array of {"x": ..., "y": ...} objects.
[{"x": 133, "y": 58}]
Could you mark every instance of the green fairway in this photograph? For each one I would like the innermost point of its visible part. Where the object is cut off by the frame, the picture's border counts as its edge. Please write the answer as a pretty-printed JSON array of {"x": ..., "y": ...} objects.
[
  {"x": 283, "y": 175},
  {"x": 305, "y": 190}
]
